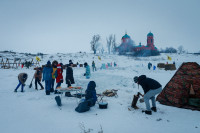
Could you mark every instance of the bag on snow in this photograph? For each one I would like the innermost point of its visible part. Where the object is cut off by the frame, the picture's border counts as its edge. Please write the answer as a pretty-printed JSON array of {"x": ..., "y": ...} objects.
[
  {"x": 58, "y": 100},
  {"x": 82, "y": 107}
]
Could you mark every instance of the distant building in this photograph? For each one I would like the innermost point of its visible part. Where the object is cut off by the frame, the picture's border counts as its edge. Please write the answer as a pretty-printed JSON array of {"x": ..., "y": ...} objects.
[{"x": 128, "y": 46}]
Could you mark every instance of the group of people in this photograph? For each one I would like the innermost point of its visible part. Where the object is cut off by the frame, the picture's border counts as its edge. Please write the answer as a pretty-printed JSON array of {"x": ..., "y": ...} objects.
[{"x": 54, "y": 72}]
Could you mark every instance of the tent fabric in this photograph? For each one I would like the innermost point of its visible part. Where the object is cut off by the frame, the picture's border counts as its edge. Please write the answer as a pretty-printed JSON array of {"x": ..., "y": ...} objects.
[{"x": 177, "y": 91}]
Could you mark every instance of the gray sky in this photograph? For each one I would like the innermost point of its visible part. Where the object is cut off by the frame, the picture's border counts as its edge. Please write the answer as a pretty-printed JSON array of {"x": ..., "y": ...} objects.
[{"x": 53, "y": 26}]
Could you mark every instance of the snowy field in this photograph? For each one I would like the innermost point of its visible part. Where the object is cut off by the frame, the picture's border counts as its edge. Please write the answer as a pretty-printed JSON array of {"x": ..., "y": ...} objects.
[{"x": 34, "y": 112}]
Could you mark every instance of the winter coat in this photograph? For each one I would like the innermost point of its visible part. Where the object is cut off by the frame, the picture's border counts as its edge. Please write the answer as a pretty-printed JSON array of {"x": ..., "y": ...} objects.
[
  {"x": 59, "y": 77},
  {"x": 47, "y": 73},
  {"x": 69, "y": 75},
  {"x": 90, "y": 93},
  {"x": 93, "y": 64},
  {"x": 87, "y": 71},
  {"x": 38, "y": 74},
  {"x": 53, "y": 73},
  {"x": 148, "y": 83},
  {"x": 22, "y": 77}
]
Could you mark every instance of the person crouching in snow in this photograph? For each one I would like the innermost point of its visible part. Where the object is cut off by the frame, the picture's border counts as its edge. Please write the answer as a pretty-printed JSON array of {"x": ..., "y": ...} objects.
[
  {"x": 151, "y": 88},
  {"x": 38, "y": 77},
  {"x": 47, "y": 77},
  {"x": 59, "y": 77},
  {"x": 90, "y": 93},
  {"x": 22, "y": 77},
  {"x": 87, "y": 70}
]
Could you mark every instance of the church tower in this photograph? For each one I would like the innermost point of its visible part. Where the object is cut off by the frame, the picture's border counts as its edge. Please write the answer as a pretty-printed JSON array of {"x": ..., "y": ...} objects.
[{"x": 150, "y": 40}]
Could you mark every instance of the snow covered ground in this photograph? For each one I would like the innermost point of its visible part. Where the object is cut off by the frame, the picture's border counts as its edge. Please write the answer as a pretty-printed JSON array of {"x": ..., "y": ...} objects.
[{"x": 34, "y": 112}]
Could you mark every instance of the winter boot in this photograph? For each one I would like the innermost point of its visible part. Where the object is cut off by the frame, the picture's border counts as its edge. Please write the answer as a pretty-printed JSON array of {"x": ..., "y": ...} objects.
[
  {"x": 47, "y": 92},
  {"x": 68, "y": 94},
  {"x": 52, "y": 90},
  {"x": 15, "y": 90},
  {"x": 147, "y": 112},
  {"x": 154, "y": 109},
  {"x": 42, "y": 89}
]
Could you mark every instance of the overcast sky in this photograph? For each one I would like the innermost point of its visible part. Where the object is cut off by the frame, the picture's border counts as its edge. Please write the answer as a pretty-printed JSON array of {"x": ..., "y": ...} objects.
[{"x": 53, "y": 26}]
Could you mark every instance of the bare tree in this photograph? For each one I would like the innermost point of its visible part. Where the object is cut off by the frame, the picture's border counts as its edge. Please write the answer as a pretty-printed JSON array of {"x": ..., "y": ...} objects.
[
  {"x": 109, "y": 42},
  {"x": 95, "y": 43},
  {"x": 181, "y": 49},
  {"x": 114, "y": 44}
]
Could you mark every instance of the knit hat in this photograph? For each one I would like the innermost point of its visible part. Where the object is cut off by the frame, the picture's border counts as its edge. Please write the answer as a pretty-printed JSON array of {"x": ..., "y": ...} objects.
[
  {"x": 48, "y": 63},
  {"x": 135, "y": 79}
]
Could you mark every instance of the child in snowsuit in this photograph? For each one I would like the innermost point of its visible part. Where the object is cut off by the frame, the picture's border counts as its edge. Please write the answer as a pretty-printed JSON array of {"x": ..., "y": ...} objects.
[
  {"x": 87, "y": 70},
  {"x": 151, "y": 88},
  {"x": 59, "y": 77},
  {"x": 47, "y": 77},
  {"x": 22, "y": 77},
  {"x": 90, "y": 93},
  {"x": 38, "y": 77}
]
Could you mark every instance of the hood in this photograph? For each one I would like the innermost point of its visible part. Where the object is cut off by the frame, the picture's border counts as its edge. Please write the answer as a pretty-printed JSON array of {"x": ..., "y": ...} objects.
[
  {"x": 91, "y": 85},
  {"x": 142, "y": 77}
]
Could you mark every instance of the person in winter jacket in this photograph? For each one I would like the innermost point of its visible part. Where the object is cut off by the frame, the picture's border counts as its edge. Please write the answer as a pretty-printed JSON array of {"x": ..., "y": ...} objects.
[
  {"x": 59, "y": 77},
  {"x": 38, "y": 77},
  {"x": 69, "y": 78},
  {"x": 93, "y": 66},
  {"x": 22, "y": 77},
  {"x": 47, "y": 77},
  {"x": 151, "y": 88},
  {"x": 87, "y": 70},
  {"x": 90, "y": 93},
  {"x": 54, "y": 66}
]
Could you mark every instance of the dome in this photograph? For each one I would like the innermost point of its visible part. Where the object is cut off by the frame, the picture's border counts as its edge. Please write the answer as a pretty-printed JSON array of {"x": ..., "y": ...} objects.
[
  {"x": 150, "y": 34},
  {"x": 125, "y": 36}
]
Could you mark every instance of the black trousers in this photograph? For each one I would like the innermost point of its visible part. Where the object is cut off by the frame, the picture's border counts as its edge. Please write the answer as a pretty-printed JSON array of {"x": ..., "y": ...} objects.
[{"x": 38, "y": 81}]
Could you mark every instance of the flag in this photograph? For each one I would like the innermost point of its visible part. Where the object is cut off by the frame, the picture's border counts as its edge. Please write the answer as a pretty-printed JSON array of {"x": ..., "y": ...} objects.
[
  {"x": 37, "y": 58},
  {"x": 99, "y": 57},
  {"x": 169, "y": 58}
]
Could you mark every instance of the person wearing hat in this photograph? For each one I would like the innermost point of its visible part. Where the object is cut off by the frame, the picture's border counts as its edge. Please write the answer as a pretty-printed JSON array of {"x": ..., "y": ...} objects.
[
  {"x": 87, "y": 70},
  {"x": 151, "y": 88},
  {"x": 47, "y": 77},
  {"x": 38, "y": 77},
  {"x": 22, "y": 77}
]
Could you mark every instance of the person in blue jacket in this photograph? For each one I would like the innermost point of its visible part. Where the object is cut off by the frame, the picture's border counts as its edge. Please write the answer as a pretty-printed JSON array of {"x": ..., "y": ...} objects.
[
  {"x": 90, "y": 93},
  {"x": 47, "y": 77},
  {"x": 87, "y": 70},
  {"x": 151, "y": 88}
]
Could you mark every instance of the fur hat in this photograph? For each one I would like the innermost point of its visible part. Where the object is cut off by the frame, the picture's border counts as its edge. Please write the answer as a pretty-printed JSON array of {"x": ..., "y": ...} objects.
[{"x": 135, "y": 79}]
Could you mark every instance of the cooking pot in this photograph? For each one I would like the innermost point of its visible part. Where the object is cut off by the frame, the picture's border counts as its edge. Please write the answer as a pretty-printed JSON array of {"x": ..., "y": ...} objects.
[{"x": 103, "y": 105}]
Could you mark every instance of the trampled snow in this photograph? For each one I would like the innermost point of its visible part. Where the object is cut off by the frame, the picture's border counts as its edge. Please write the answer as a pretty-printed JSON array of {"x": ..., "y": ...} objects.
[{"x": 35, "y": 112}]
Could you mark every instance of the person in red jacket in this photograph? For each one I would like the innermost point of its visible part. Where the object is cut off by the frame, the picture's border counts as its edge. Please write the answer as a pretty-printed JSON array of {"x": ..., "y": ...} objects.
[{"x": 59, "y": 76}]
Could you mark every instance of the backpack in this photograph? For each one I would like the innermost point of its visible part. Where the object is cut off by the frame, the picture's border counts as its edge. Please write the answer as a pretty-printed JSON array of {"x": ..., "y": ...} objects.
[
  {"x": 82, "y": 107},
  {"x": 58, "y": 100}
]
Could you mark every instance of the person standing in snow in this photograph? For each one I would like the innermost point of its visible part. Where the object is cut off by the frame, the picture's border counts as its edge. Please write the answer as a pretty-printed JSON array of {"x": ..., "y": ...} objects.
[
  {"x": 38, "y": 77},
  {"x": 69, "y": 78},
  {"x": 93, "y": 66},
  {"x": 54, "y": 66},
  {"x": 151, "y": 88},
  {"x": 87, "y": 70},
  {"x": 47, "y": 77},
  {"x": 22, "y": 77},
  {"x": 59, "y": 77}
]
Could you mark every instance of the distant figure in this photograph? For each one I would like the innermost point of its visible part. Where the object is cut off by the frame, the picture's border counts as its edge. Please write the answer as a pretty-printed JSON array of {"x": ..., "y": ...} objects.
[
  {"x": 174, "y": 62},
  {"x": 151, "y": 88},
  {"x": 70, "y": 62},
  {"x": 87, "y": 70},
  {"x": 47, "y": 77},
  {"x": 38, "y": 77},
  {"x": 149, "y": 65},
  {"x": 115, "y": 64},
  {"x": 154, "y": 67},
  {"x": 22, "y": 77},
  {"x": 93, "y": 66}
]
